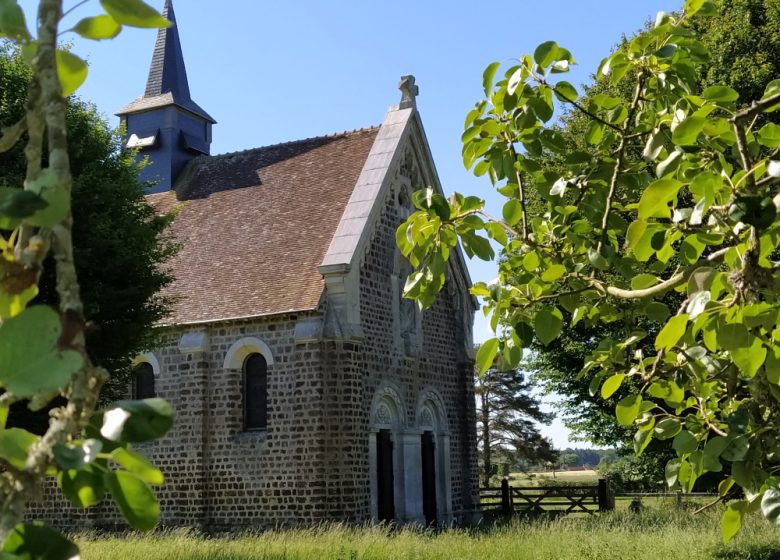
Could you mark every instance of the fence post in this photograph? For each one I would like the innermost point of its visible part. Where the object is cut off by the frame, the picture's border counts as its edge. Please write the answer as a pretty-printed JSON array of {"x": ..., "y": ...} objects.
[
  {"x": 605, "y": 500},
  {"x": 679, "y": 500},
  {"x": 506, "y": 497}
]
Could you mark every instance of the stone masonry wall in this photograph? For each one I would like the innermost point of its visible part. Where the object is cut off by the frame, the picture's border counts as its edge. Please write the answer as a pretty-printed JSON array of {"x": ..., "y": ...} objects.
[{"x": 218, "y": 476}]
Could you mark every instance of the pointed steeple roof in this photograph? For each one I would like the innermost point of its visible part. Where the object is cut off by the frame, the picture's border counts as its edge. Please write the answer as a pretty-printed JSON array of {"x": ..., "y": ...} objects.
[
  {"x": 168, "y": 73},
  {"x": 167, "y": 83}
]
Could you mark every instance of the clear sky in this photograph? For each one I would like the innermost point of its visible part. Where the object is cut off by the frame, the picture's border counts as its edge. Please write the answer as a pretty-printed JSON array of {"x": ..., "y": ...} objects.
[{"x": 274, "y": 71}]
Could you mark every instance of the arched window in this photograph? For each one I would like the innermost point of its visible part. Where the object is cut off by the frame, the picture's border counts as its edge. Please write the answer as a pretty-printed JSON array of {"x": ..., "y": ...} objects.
[
  {"x": 255, "y": 392},
  {"x": 143, "y": 382}
]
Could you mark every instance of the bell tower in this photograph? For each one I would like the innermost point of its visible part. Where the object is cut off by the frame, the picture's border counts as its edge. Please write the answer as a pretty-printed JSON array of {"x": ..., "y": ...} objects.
[{"x": 165, "y": 124}]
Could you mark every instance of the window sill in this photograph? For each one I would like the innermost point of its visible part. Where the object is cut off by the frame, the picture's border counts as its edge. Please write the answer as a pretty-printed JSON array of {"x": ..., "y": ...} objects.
[{"x": 252, "y": 436}]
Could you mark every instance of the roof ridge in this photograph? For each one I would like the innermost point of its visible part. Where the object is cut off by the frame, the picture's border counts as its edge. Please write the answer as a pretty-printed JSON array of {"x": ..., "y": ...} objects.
[{"x": 279, "y": 144}]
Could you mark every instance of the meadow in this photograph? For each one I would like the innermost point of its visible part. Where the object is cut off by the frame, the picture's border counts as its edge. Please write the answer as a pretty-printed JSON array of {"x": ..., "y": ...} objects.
[{"x": 654, "y": 534}]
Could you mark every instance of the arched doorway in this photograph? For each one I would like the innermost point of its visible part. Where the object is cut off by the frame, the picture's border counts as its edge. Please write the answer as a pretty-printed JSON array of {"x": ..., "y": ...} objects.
[
  {"x": 386, "y": 455},
  {"x": 435, "y": 475}
]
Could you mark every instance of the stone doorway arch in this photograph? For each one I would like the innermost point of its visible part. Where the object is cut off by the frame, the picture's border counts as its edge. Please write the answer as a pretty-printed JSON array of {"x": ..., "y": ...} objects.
[{"x": 386, "y": 455}]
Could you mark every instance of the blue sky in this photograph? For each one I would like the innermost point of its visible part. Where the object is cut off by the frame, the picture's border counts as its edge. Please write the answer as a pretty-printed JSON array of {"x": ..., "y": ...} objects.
[{"x": 273, "y": 71}]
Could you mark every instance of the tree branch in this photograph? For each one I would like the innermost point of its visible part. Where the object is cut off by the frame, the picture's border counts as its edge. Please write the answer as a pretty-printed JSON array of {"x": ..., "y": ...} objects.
[
  {"x": 581, "y": 108},
  {"x": 619, "y": 162},
  {"x": 12, "y": 134},
  {"x": 658, "y": 289},
  {"x": 756, "y": 107}
]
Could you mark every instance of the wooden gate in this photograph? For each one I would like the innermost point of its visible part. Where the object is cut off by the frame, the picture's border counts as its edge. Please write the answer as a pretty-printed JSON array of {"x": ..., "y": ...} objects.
[{"x": 559, "y": 500}]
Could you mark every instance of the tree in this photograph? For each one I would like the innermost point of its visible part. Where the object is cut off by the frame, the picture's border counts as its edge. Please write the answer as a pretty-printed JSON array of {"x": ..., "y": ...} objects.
[
  {"x": 696, "y": 217},
  {"x": 743, "y": 37},
  {"x": 113, "y": 223},
  {"x": 507, "y": 421},
  {"x": 43, "y": 350}
]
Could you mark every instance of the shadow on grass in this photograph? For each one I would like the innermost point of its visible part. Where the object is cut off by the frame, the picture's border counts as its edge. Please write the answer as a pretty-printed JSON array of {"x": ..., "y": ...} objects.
[{"x": 750, "y": 553}]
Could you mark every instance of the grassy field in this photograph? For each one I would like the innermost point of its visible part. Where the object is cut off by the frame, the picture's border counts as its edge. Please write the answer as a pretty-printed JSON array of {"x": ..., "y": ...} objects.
[
  {"x": 655, "y": 534},
  {"x": 559, "y": 477}
]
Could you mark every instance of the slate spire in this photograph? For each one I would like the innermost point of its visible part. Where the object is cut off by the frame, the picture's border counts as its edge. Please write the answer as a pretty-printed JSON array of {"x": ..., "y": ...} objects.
[
  {"x": 165, "y": 124},
  {"x": 167, "y": 73}
]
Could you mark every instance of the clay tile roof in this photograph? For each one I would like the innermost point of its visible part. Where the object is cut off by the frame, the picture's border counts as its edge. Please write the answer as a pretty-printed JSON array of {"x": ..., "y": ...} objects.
[{"x": 254, "y": 226}]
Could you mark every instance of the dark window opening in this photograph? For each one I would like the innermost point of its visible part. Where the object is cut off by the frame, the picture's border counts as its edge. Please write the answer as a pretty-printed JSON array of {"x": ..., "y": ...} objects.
[
  {"x": 143, "y": 383},
  {"x": 255, "y": 393}
]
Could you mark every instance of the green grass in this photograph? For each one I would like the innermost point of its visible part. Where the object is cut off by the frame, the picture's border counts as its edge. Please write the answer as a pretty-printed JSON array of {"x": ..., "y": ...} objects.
[
  {"x": 549, "y": 478},
  {"x": 655, "y": 534}
]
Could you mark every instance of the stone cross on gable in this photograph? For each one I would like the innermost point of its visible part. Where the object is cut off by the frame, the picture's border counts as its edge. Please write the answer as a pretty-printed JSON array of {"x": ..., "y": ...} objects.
[{"x": 409, "y": 92}]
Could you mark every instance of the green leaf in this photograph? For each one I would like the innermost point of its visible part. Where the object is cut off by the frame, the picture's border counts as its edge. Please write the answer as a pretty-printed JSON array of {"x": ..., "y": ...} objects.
[
  {"x": 770, "y": 504},
  {"x": 594, "y": 133},
  {"x": 751, "y": 358},
  {"x": 687, "y": 132},
  {"x": 12, "y": 22},
  {"x": 137, "y": 421},
  {"x": 733, "y": 336},
  {"x": 548, "y": 324},
  {"x": 55, "y": 197},
  {"x": 667, "y": 428},
  {"x": 720, "y": 94},
  {"x": 737, "y": 449},
  {"x": 642, "y": 439},
  {"x": 486, "y": 355},
  {"x": 611, "y": 385},
  {"x": 657, "y": 311},
  {"x": 19, "y": 204},
  {"x": 71, "y": 70},
  {"x": 15, "y": 445},
  {"x": 31, "y": 361},
  {"x": 134, "y": 13},
  {"x": 672, "y": 332},
  {"x": 546, "y": 53},
  {"x": 685, "y": 442},
  {"x": 138, "y": 465},
  {"x": 769, "y": 135},
  {"x": 731, "y": 522},
  {"x": 35, "y": 541},
  {"x": 667, "y": 390},
  {"x": 725, "y": 485},
  {"x": 488, "y": 75},
  {"x": 672, "y": 471},
  {"x": 627, "y": 410},
  {"x": 642, "y": 281},
  {"x": 565, "y": 91},
  {"x": 553, "y": 273},
  {"x": 135, "y": 500},
  {"x": 84, "y": 487},
  {"x": 512, "y": 211},
  {"x": 656, "y": 198},
  {"x": 772, "y": 365},
  {"x": 98, "y": 28}
]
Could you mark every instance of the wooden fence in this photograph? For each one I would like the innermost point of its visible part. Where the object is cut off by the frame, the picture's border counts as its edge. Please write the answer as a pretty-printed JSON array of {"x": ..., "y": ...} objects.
[{"x": 560, "y": 500}]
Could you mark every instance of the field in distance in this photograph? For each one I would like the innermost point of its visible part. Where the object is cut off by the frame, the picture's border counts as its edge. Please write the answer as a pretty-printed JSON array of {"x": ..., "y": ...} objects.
[{"x": 586, "y": 477}]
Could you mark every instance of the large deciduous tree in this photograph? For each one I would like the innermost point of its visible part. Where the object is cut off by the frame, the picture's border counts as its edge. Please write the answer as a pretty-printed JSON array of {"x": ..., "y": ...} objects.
[
  {"x": 508, "y": 418},
  {"x": 695, "y": 219}
]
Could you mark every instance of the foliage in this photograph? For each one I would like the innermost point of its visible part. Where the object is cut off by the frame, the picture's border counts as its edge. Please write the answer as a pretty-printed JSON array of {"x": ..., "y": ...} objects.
[
  {"x": 743, "y": 37},
  {"x": 508, "y": 418},
  {"x": 697, "y": 217},
  {"x": 636, "y": 474},
  {"x": 43, "y": 350}
]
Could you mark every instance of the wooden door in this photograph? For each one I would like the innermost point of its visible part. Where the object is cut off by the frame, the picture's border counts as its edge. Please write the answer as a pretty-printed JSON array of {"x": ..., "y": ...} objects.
[
  {"x": 429, "y": 479},
  {"x": 385, "y": 483}
]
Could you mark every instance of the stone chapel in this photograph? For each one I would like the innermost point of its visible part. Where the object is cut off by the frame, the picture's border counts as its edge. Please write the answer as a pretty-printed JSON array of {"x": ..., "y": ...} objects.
[{"x": 306, "y": 388}]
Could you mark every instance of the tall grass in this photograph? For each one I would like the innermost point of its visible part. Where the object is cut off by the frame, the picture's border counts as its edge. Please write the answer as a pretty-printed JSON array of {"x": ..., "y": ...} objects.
[{"x": 652, "y": 534}]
